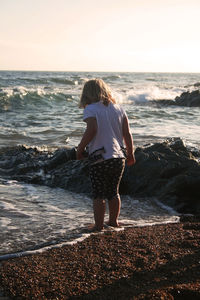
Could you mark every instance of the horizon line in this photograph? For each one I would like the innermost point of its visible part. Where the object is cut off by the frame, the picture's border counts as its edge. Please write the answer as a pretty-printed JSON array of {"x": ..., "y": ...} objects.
[{"x": 70, "y": 71}]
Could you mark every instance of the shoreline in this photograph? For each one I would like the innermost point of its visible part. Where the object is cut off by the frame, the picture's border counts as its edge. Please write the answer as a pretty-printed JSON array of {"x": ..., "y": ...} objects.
[
  {"x": 158, "y": 261},
  {"x": 84, "y": 234}
]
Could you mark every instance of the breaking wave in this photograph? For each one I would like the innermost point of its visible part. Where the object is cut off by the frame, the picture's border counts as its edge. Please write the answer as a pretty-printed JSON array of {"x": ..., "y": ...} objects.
[
  {"x": 141, "y": 96},
  {"x": 13, "y": 99}
]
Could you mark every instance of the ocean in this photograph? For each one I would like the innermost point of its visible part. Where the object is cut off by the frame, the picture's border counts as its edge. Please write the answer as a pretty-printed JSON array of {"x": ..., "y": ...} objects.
[{"x": 40, "y": 109}]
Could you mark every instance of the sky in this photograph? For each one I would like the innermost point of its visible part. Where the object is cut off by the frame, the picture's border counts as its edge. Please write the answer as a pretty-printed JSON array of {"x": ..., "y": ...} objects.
[{"x": 100, "y": 35}]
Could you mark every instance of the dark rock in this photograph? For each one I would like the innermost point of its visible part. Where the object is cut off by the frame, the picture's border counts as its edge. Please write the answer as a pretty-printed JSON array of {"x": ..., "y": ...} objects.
[
  {"x": 169, "y": 171},
  {"x": 163, "y": 102},
  {"x": 60, "y": 157},
  {"x": 190, "y": 218},
  {"x": 189, "y": 99}
]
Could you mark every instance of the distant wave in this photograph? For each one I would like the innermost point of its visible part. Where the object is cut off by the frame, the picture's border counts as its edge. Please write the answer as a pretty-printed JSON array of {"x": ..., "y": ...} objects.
[
  {"x": 34, "y": 80},
  {"x": 42, "y": 80},
  {"x": 111, "y": 77},
  {"x": 151, "y": 94},
  {"x": 16, "y": 98},
  {"x": 150, "y": 79},
  {"x": 64, "y": 81}
]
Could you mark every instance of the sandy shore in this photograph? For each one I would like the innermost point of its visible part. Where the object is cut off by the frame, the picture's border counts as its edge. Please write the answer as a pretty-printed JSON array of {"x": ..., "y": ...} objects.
[{"x": 153, "y": 262}]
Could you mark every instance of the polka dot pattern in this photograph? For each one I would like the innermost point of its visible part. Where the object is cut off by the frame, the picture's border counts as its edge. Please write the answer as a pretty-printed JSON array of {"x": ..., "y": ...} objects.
[{"x": 105, "y": 178}]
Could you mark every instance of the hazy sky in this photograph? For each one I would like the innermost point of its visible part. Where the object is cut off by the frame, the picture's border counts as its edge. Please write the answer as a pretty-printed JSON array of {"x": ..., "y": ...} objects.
[{"x": 100, "y": 35}]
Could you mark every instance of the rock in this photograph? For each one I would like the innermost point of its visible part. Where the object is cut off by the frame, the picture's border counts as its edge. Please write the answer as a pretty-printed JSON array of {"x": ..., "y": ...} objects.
[
  {"x": 189, "y": 99},
  {"x": 169, "y": 171},
  {"x": 163, "y": 102}
]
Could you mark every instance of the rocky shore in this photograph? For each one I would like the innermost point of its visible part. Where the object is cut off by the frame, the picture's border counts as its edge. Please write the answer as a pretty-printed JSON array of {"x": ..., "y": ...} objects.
[
  {"x": 187, "y": 99},
  {"x": 153, "y": 262},
  {"x": 169, "y": 171},
  {"x": 191, "y": 99}
]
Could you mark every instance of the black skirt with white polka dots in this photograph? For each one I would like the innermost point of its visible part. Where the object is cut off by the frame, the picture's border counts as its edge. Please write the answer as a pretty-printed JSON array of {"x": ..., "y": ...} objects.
[{"x": 105, "y": 178}]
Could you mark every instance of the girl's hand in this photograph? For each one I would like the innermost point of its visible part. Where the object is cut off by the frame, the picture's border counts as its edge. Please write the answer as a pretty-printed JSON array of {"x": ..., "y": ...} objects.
[
  {"x": 130, "y": 160},
  {"x": 79, "y": 153}
]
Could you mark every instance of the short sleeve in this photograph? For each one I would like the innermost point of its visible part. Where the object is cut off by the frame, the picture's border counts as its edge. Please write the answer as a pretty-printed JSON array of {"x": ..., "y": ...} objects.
[
  {"x": 122, "y": 111},
  {"x": 88, "y": 113}
]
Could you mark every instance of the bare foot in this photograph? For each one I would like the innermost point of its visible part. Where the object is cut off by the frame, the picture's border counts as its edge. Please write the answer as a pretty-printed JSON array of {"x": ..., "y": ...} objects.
[
  {"x": 93, "y": 228},
  {"x": 116, "y": 224},
  {"x": 120, "y": 224}
]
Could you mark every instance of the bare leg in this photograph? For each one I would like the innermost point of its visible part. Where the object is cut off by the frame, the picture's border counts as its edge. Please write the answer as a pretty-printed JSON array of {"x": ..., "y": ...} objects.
[
  {"x": 114, "y": 211},
  {"x": 99, "y": 206}
]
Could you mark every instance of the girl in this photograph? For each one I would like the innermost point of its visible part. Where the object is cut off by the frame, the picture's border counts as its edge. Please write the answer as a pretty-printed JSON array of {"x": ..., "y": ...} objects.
[{"x": 107, "y": 128}]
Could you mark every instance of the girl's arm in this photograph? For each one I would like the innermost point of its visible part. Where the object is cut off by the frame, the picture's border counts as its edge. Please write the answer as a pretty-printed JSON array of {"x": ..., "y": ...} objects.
[
  {"x": 88, "y": 135},
  {"x": 128, "y": 142}
]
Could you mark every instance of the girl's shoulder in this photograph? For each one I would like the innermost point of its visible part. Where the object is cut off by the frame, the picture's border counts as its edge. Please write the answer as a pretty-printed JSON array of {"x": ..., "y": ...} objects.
[
  {"x": 118, "y": 107},
  {"x": 91, "y": 106},
  {"x": 100, "y": 106}
]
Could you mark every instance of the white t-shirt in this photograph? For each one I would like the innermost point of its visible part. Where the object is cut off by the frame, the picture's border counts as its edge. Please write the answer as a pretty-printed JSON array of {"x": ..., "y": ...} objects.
[{"x": 109, "y": 128}]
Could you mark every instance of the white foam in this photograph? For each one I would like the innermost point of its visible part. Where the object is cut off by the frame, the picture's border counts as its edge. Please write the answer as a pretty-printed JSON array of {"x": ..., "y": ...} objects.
[
  {"x": 158, "y": 221},
  {"x": 6, "y": 206},
  {"x": 41, "y": 250},
  {"x": 149, "y": 93},
  {"x": 4, "y": 222},
  {"x": 126, "y": 224}
]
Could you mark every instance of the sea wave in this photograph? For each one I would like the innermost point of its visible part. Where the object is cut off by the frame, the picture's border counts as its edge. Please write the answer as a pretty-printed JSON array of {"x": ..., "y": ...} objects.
[
  {"x": 141, "y": 96},
  {"x": 33, "y": 78},
  {"x": 17, "y": 98},
  {"x": 111, "y": 77},
  {"x": 64, "y": 81},
  {"x": 59, "y": 80}
]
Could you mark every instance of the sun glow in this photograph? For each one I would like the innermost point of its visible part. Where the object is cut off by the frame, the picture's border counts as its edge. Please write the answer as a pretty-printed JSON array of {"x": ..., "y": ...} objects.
[{"x": 114, "y": 36}]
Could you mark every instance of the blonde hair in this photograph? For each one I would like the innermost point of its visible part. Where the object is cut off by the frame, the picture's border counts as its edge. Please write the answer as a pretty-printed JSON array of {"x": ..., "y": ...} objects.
[{"x": 96, "y": 90}]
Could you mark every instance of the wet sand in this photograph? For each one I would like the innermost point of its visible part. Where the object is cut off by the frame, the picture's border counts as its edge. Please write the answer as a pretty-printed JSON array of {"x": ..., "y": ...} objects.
[{"x": 152, "y": 262}]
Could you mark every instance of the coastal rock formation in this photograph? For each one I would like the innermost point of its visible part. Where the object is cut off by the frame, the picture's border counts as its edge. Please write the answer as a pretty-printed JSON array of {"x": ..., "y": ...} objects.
[
  {"x": 169, "y": 171},
  {"x": 189, "y": 99},
  {"x": 197, "y": 84}
]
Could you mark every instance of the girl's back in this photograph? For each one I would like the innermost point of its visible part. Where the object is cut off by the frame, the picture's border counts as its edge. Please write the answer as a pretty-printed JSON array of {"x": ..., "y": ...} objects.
[{"x": 109, "y": 128}]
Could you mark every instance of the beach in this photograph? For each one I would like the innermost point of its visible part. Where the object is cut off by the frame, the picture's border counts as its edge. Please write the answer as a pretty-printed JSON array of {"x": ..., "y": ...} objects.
[
  {"x": 150, "y": 262},
  {"x": 45, "y": 196}
]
